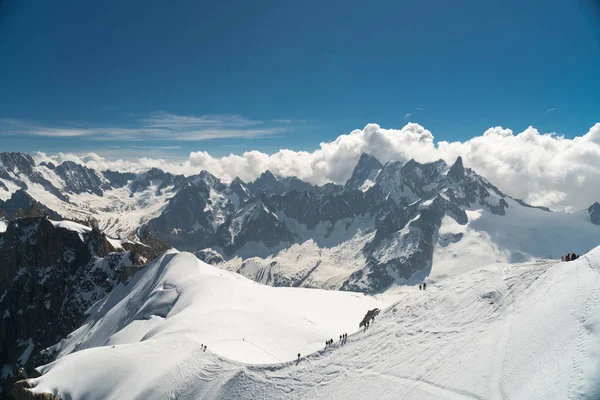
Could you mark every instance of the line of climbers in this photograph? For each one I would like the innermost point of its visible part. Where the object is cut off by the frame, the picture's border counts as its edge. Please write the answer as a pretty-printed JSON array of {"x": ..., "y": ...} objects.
[
  {"x": 369, "y": 317},
  {"x": 570, "y": 257},
  {"x": 423, "y": 286},
  {"x": 342, "y": 341}
]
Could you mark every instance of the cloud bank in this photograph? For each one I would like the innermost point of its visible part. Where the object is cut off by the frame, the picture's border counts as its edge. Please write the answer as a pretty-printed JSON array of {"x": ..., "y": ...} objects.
[{"x": 540, "y": 168}]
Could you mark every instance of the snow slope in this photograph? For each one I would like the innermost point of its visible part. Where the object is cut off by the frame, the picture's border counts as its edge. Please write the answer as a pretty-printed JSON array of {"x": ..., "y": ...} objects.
[{"x": 522, "y": 331}]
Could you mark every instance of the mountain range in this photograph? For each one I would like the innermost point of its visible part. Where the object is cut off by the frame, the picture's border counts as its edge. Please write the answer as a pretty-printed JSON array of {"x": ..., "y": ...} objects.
[{"x": 389, "y": 224}]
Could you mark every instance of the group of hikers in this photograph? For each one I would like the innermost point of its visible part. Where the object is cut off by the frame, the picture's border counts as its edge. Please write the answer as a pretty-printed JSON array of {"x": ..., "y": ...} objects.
[
  {"x": 423, "y": 286},
  {"x": 203, "y": 347},
  {"x": 342, "y": 341},
  {"x": 570, "y": 257}
]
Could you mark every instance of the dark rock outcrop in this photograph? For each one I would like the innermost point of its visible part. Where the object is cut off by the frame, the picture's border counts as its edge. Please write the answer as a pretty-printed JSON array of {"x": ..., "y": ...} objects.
[{"x": 50, "y": 275}]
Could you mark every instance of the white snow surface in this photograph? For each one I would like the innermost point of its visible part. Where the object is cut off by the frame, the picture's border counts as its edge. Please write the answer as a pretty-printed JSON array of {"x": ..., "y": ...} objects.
[
  {"x": 72, "y": 226},
  {"x": 2, "y": 226},
  {"x": 520, "y": 331}
]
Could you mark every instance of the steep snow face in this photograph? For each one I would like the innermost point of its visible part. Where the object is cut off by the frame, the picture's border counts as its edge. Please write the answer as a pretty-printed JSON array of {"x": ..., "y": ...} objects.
[
  {"x": 504, "y": 331},
  {"x": 179, "y": 296}
]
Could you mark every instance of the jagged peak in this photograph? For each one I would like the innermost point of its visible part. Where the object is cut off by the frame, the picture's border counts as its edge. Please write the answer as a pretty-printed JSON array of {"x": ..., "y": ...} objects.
[
  {"x": 457, "y": 170},
  {"x": 266, "y": 176},
  {"x": 12, "y": 159},
  {"x": 369, "y": 158}
]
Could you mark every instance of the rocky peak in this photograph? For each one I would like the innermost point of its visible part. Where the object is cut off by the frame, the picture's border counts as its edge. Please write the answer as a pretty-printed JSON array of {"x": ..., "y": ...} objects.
[
  {"x": 119, "y": 179},
  {"x": 457, "y": 170},
  {"x": 238, "y": 187},
  {"x": 81, "y": 179},
  {"x": 594, "y": 212},
  {"x": 48, "y": 165},
  {"x": 16, "y": 162},
  {"x": 271, "y": 184},
  {"x": 154, "y": 177},
  {"x": 365, "y": 173}
]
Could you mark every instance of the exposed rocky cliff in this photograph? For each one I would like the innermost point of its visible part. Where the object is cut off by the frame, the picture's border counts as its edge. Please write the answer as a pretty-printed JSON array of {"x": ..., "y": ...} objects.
[{"x": 51, "y": 273}]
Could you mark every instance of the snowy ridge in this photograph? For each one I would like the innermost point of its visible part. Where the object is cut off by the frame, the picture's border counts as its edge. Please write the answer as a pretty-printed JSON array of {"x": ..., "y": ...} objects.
[{"x": 483, "y": 334}]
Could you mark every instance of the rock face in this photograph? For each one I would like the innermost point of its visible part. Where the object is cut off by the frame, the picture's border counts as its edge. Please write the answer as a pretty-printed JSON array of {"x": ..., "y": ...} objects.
[
  {"x": 270, "y": 184},
  {"x": 22, "y": 202},
  {"x": 79, "y": 179},
  {"x": 365, "y": 173},
  {"x": 594, "y": 212},
  {"x": 49, "y": 276}
]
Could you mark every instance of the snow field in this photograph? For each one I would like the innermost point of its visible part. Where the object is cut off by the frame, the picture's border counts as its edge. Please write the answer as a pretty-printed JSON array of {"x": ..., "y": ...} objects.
[{"x": 521, "y": 331}]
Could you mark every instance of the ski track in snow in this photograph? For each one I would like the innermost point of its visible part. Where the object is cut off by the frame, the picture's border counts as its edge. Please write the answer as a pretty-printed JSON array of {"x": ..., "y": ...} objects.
[{"x": 576, "y": 388}]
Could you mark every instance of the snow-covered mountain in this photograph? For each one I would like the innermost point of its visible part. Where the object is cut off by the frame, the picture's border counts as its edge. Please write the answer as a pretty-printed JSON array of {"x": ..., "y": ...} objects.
[
  {"x": 389, "y": 224},
  {"x": 522, "y": 331}
]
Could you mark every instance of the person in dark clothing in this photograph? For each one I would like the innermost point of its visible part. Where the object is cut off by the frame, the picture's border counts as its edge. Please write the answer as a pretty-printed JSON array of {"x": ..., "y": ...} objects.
[
  {"x": 424, "y": 286},
  {"x": 573, "y": 257},
  {"x": 298, "y": 359},
  {"x": 419, "y": 287},
  {"x": 340, "y": 338},
  {"x": 568, "y": 257}
]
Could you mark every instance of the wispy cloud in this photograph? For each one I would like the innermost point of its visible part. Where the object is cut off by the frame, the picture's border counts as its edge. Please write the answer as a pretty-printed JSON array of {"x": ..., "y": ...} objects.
[
  {"x": 288, "y": 121},
  {"x": 155, "y": 147},
  {"x": 407, "y": 115},
  {"x": 550, "y": 110},
  {"x": 420, "y": 109},
  {"x": 157, "y": 126}
]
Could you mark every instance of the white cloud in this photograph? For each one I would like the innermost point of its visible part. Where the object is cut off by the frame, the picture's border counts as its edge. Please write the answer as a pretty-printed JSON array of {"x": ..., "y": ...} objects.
[
  {"x": 407, "y": 115},
  {"x": 550, "y": 110},
  {"x": 540, "y": 168}
]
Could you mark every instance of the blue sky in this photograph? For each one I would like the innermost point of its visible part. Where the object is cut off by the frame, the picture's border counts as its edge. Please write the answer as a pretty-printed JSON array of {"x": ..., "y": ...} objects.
[{"x": 166, "y": 78}]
